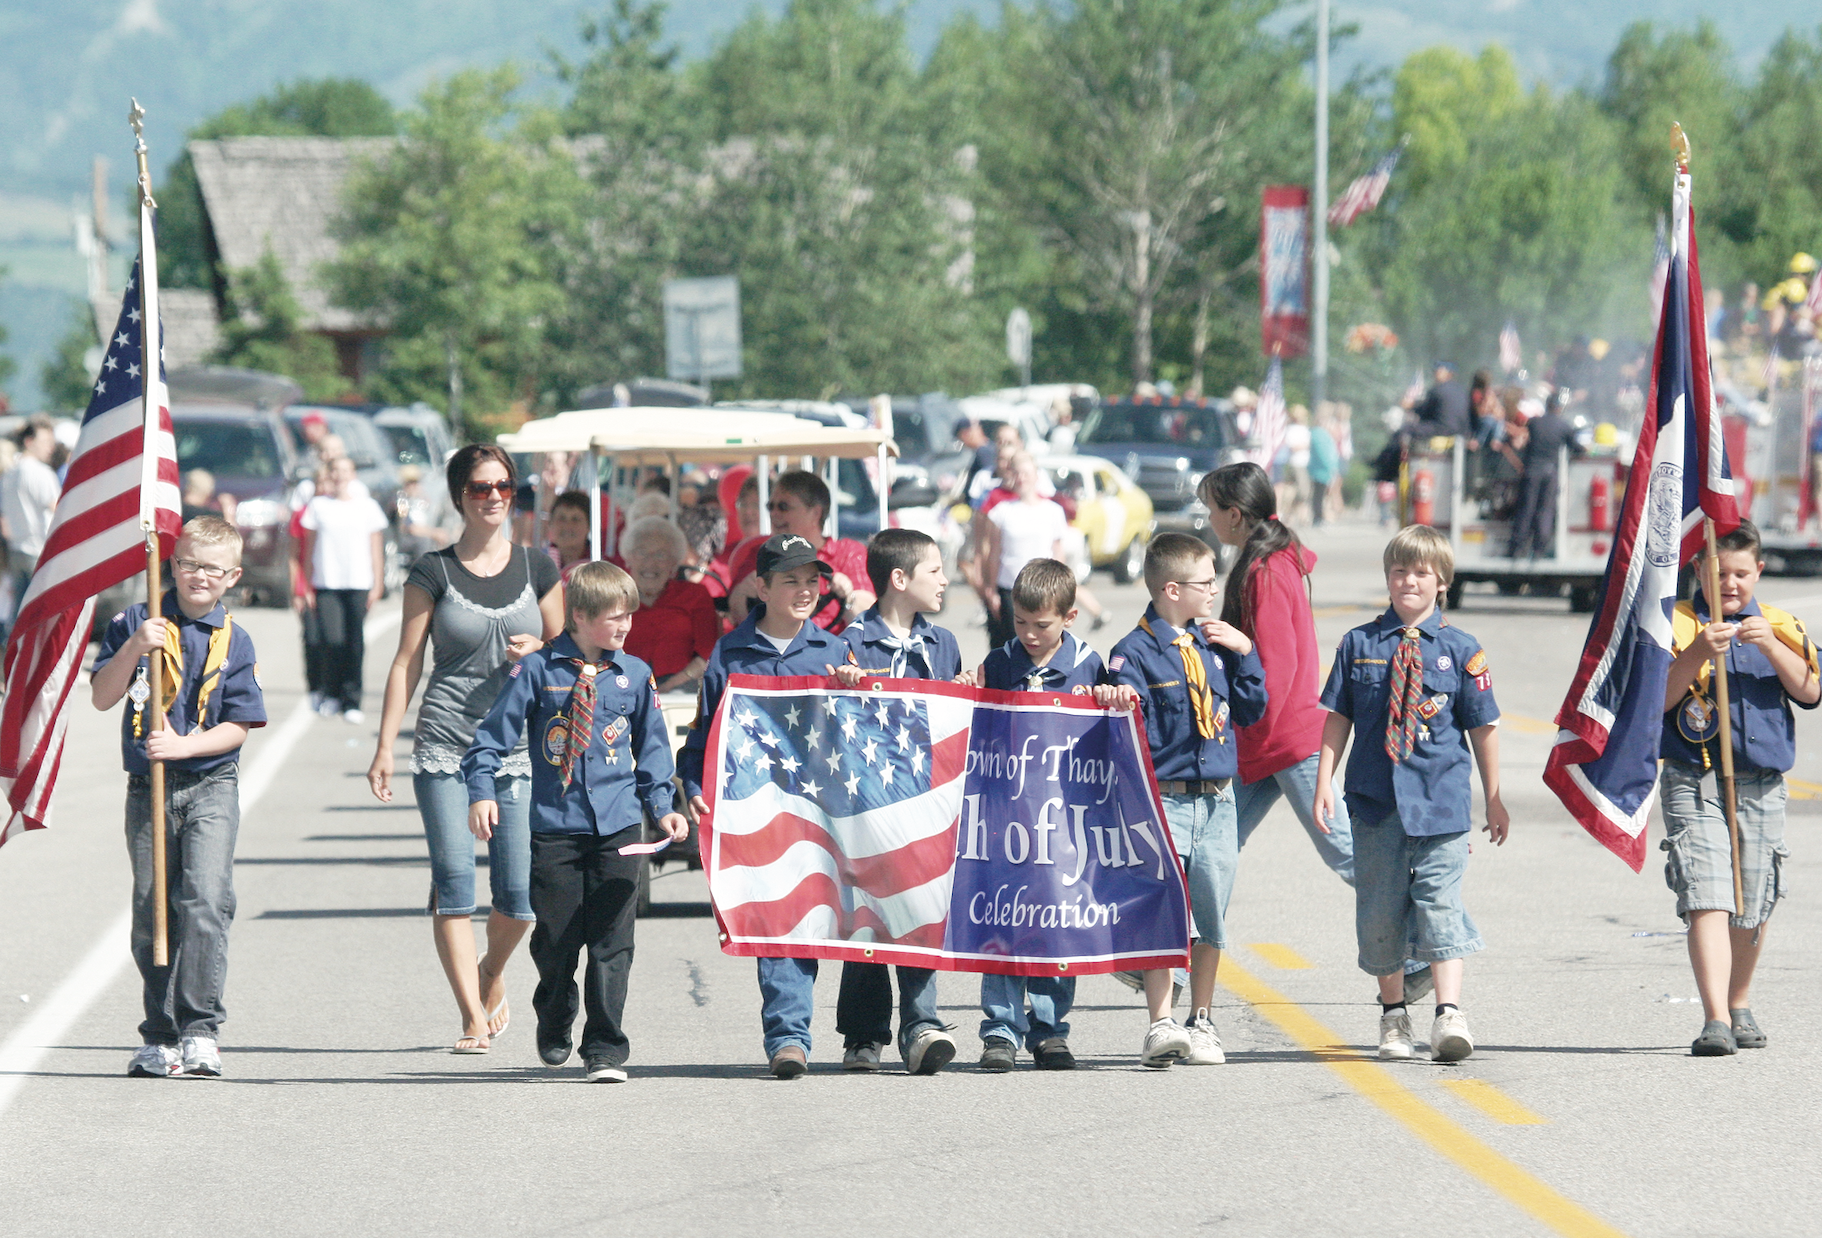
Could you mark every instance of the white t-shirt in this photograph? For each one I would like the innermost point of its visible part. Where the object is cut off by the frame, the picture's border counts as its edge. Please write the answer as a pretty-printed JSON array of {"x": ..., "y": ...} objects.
[
  {"x": 28, "y": 497},
  {"x": 342, "y": 551},
  {"x": 1027, "y": 531},
  {"x": 1297, "y": 442},
  {"x": 780, "y": 643}
]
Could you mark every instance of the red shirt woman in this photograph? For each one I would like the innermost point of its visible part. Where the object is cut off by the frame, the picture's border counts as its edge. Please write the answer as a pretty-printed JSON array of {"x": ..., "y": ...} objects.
[{"x": 676, "y": 625}]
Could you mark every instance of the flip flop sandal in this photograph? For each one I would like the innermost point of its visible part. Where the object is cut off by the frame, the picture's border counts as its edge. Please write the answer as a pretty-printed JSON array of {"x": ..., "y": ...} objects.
[
  {"x": 475, "y": 1044},
  {"x": 505, "y": 1020}
]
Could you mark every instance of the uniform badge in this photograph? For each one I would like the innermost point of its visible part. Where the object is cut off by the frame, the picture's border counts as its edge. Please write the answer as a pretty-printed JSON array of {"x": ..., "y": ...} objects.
[
  {"x": 1476, "y": 664},
  {"x": 556, "y": 740},
  {"x": 257, "y": 681},
  {"x": 1696, "y": 719},
  {"x": 1082, "y": 690},
  {"x": 1116, "y": 662},
  {"x": 1221, "y": 717},
  {"x": 1429, "y": 709},
  {"x": 1444, "y": 663},
  {"x": 514, "y": 672},
  {"x": 619, "y": 681}
]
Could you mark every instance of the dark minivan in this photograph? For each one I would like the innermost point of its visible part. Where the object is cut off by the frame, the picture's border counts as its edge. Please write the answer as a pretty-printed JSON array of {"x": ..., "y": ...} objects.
[{"x": 1165, "y": 444}]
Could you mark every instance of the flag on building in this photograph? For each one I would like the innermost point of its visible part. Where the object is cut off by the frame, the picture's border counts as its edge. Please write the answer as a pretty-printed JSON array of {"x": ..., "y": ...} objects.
[
  {"x": 1365, "y": 192},
  {"x": 937, "y": 825},
  {"x": 1660, "y": 270},
  {"x": 1269, "y": 418},
  {"x": 121, "y": 484},
  {"x": 1511, "y": 356},
  {"x": 1604, "y": 764}
]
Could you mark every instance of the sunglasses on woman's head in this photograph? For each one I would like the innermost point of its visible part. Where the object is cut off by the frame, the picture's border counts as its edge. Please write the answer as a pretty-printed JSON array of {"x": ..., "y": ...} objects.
[{"x": 481, "y": 489}]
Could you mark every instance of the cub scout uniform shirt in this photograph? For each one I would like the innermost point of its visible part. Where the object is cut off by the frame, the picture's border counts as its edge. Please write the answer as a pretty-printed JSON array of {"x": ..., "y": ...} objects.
[
  {"x": 1073, "y": 668},
  {"x": 1764, "y": 730},
  {"x": 626, "y": 765},
  {"x": 1148, "y": 661},
  {"x": 233, "y": 688},
  {"x": 747, "y": 651},
  {"x": 929, "y": 652},
  {"x": 1431, "y": 789}
]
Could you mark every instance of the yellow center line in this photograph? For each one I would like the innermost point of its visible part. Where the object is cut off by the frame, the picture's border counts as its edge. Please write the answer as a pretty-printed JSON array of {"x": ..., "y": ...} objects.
[
  {"x": 1447, "y": 1137},
  {"x": 1530, "y": 726},
  {"x": 1493, "y": 1102},
  {"x": 1280, "y": 956},
  {"x": 1800, "y": 790}
]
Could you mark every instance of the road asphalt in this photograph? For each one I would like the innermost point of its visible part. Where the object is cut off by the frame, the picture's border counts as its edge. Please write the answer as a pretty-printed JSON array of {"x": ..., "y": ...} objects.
[{"x": 341, "y": 1110}]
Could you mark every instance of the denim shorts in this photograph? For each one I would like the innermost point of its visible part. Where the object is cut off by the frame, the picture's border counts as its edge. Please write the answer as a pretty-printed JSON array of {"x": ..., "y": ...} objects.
[
  {"x": 1207, "y": 836},
  {"x": 1407, "y": 897},
  {"x": 443, "y": 803},
  {"x": 1699, "y": 866}
]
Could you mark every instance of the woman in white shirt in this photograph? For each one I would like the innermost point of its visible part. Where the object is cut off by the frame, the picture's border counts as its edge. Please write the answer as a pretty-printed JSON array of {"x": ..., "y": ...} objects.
[
  {"x": 1025, "y": 527},
  {"x": 345, "y": 548}
]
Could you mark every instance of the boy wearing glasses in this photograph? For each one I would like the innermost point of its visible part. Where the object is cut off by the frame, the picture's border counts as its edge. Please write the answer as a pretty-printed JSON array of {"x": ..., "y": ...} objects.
[
  {"x": 1197, "y": 679},
  {"x": 212, "y": 698}
]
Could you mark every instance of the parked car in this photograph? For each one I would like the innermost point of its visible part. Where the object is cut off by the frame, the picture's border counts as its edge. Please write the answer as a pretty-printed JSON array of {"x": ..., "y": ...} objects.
[
  {"x": 1165, "y": 444},
  {"x": 375, "y": 464},
  {"x": 252, "y": 457},
  {"x": 419, "y": 436},
  {"x": 642, "y": 393},
  {"x": 1111, "y": 511}
]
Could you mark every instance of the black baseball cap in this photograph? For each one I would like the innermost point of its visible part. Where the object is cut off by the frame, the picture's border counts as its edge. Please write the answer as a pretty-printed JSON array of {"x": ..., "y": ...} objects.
[{"x": 784, "y": 551}]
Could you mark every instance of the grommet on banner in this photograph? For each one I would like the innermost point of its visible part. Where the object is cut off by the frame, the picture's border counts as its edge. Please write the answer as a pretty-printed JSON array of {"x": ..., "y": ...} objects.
[
  {"x": 868, "y": 953},
  {"x": 1056, "y": 700},
  {"x": 878, "y": 687},
  {"x": 1062, "y": 967},
  {"x": 724, "y": 939}
]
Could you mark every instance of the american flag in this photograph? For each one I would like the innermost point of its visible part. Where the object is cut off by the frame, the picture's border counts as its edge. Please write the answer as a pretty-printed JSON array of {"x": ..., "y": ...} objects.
[
  {"x": 1510, "y": 355},
  {"x": 1268, "y": 419},
  {"x": 1660, "y": 270},
  {"x": 1813, "y": 302},
  {"x": 835, "y": 816},
  {"x": 120, "y": 485},
  {"x": 1768, "y": 378},
  {"x": 1604, "y": 765},
  {"x": 1364, "y": 193}
]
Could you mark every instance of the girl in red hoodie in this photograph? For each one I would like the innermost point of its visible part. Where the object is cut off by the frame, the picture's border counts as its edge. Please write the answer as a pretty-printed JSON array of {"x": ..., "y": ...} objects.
[{"x": 1267, "y": 597}]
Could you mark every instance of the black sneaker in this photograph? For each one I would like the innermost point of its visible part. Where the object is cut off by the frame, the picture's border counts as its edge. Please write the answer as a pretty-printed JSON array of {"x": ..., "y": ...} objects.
[
  {"x": 1053, "y": 1054},
  {"x": 600, "y": 1070},
  {"x": 1746, "y": 1031},
  {"x": 1716, "y": 1040},
  {"x": 998, "y": 1056},
  {"x": 554, "y": 1052}
]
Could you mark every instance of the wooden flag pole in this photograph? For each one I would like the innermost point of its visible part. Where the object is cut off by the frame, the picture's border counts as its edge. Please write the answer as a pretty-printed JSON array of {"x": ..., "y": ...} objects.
[
  {"x": 1712, "y": 587},
  {"x": 149, "y": 363}
]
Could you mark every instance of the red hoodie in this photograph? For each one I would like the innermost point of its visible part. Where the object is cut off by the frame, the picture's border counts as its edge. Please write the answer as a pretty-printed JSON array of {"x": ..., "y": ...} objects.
[{"x": 1284, "y": 632}]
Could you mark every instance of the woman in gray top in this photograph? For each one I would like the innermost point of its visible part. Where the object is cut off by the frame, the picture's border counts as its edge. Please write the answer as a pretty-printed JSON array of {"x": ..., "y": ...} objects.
[{"x": 483, "y": 603}]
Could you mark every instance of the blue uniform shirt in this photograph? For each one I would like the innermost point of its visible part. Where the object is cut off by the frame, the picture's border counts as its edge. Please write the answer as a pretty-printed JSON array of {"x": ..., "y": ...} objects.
[
  {"x": 930, "y": 653},
  {"x": 1073, "y": 668},
  {"x": 745, "y": 651},
  {"x": 1148, "y": 663},
  {"x": 628, "y": 761},
  {"x": 236, "y": 696},
  {"x": 1431, "y": 789},
  {"x": 1764, "y": 730}
]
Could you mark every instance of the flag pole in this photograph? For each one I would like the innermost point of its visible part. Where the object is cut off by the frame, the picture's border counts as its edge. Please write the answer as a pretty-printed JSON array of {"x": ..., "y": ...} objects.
[
  {"x": 149, "y": 369},
  {"x": 1712, "y": 586}
]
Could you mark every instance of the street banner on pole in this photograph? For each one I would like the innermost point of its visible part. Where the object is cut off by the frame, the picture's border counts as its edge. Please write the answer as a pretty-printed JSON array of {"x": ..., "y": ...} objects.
[
  {"x": 1604, "y": 766},
  {"x": 936, "y": 825},
  {"x": 1284, "y": 270},
  {"x": 702, "y": 328}
]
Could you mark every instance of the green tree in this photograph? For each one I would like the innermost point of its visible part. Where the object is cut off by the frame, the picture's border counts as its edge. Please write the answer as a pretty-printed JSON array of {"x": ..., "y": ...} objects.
[
  {"x": 7, "y": 365},
  {"x": 324, "y": 107},
  {"x": 1775, "y": 192},
  {"x": 447, "y": 242},
  {"x": 69, "y": 376},
  {"x": 264, "y": 331}
]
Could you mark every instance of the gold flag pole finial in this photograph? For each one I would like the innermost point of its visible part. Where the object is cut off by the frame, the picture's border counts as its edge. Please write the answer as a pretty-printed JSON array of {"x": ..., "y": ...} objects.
[
  {"x": 136, "y": 117},
  {"x": 1679, "y": 146}
]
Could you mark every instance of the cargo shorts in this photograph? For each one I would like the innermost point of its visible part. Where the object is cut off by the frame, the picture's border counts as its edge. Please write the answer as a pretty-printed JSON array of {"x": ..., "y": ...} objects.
[{"x": 1699, "y": 863}]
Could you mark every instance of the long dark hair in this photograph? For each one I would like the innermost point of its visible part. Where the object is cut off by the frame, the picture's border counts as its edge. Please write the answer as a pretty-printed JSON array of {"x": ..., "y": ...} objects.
[
  {"x": 467, "y": 459},
  {"x": 1246, "y": 487}
]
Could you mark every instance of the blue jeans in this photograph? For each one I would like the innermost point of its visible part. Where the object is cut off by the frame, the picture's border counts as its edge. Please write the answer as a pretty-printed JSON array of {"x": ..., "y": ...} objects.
[
  {"x": 1003, "y": 1002},
  {"x": 1252, "y": 800},
  {"x": 863, "y": 1011},
  {"x": 787, "y": 993},
  {"x": 443, "y": 804},
  {"x": 202, "y": 819},
  {"x": 1407, "y": 897},
  {"x": 1204, "y": 830}
]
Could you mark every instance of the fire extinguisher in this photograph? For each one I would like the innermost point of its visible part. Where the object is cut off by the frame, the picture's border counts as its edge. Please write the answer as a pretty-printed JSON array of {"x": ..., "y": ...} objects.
[
  {"x": 1423, "y": 497},
  {"x": 1600, "y": 513}
]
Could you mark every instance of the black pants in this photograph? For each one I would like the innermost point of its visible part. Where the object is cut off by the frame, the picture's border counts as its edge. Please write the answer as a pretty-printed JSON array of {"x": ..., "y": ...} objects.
[
  {"x": 1534, "y": 523},
  {"x": 585, "y": 895},
  {"x": 341, "y": 615},
  {"x": 863, "y": 1010},
  {"x": 999, "y": 630},
  {"x": 315, "y": 658}
]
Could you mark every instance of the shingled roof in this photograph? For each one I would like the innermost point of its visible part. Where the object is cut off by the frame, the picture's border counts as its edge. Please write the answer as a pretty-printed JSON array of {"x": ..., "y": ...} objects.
[{"x": 282, "y": 193}]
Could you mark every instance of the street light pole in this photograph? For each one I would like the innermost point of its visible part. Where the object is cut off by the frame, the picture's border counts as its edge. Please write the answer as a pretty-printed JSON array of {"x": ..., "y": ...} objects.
[{"x": 1319, "y": 309}]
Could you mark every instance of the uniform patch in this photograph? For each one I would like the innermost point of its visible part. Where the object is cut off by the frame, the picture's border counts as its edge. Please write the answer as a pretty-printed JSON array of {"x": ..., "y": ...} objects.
[
  {"x": 1082, "y": 689},
  {"x": 556, "y": 740},
  {"x": 619, "y": 681},
  {"x": 1476, "y": 664},
  {"x": 1484, "y": 681},
  {"x": 1443, "y": 663},
  {"x": 514, "y": 672},
  {"x": 1116, "y": 662},
  {"x": 257, "y": 681},
  {"x": 1221, "y": 717},
  {"x": 1430, "y": 708}
]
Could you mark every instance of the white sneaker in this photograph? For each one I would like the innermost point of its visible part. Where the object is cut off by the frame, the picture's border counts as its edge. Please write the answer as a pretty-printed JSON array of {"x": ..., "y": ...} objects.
[
  {"x": 327, "y": 708},
  {"x": 1204, "y": 1041},
  {"x": 1449, "y": 1039},
  {"x": 930, "y": 1050},
  {"x": 861, "y": 1057},
  {"x": 155, "y": 1062},
  {"x": 353, "y": 717},
  {"x": 201, "y": 1056},
  {"x": 1395, "y": 1041},
  {"x": 1165, "y": 1042}
]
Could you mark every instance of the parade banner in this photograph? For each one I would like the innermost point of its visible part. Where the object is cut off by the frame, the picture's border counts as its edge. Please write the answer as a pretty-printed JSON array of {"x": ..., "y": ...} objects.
[
  {"x": 939, "y": 826},
  {"x": 1284, "y": 270}
]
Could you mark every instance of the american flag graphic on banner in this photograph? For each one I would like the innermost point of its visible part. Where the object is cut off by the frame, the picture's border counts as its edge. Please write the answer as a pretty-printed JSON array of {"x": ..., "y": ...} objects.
[
  {"x": 1365, "y": 192},
  {"x": 1268, "y": 419},
  {"x": 121, "y": 484}
]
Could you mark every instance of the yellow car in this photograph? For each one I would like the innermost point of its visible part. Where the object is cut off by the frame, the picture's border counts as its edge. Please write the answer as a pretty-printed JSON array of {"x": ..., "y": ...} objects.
[{"x": 1109, "y": 510}]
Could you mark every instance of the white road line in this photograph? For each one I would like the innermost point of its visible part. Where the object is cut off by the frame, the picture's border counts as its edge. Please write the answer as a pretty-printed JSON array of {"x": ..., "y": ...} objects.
[{"x": 26, "y": 1047}]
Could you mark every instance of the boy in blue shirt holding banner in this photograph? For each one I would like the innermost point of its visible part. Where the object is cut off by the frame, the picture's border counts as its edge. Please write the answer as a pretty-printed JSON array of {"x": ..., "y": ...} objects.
[
  {"x": 893, "y": 640},
  {"x": 1197, "y": 679}
]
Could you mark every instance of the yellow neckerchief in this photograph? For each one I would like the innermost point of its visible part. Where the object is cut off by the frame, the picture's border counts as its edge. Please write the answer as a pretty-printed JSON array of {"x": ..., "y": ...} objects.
[
  {"x": 172, "y": 679},
  {"x": 1201, "y": 699},
  {"x": 1684, "y": 627}
]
